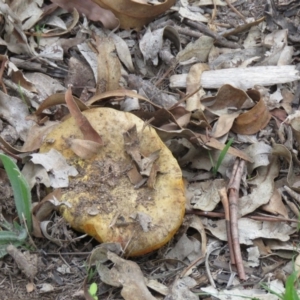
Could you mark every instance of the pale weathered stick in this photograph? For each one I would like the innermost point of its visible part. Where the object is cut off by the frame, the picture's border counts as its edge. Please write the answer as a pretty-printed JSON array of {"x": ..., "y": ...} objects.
[{"x": 241, "y": 77}]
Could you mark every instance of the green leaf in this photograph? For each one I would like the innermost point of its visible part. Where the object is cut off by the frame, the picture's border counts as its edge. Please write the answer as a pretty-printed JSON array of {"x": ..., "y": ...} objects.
[
  {"x": 11, "y": 237},
  {"x": 7, "y": 237},
  {"x": 93, "y": 289},
  {"x": 21, "y": 190},
  {"x": 3, "y": 251}
]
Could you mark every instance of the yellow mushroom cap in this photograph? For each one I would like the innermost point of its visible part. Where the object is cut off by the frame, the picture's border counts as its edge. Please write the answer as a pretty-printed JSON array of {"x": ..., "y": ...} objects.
[{"x": 104, "y": 203}]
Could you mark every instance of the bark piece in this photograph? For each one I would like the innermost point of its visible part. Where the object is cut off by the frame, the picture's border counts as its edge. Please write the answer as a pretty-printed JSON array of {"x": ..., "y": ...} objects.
[{"x": 244, "y": 77}]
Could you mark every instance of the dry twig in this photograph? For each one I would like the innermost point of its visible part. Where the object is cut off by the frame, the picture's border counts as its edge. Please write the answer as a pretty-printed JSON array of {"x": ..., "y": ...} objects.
[
  {"x": 236, "y": 11},
  {"x": 233, "y": 188},
  {"x": 2, "y": 68},
  {"x": 205, "y": 30},
  {"x": 212, "y": 214},
  {"x": 292, "y": 193},
  {"x": 224, "y": 200}
]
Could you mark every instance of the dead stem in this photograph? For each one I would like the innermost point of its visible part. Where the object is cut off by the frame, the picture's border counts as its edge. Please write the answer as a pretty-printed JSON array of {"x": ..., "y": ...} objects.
[
  {"x": 225, "y": 202},
  {"x": 292, "y": 193},
  {"x": 206, "y": 31},
  {"x": 193, "y": 263},
  {"x": 233, "y": 189},
  {"x": 236, "y": 11},
  {"x": 214, "y": 12},
  {"x": 10, "y": 153},
  {"x": 3, "y": 66},
  {"x": 221, "y": 215}
]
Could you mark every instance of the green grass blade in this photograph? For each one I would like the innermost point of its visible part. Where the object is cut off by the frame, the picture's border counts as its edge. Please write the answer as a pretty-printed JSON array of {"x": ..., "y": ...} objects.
[
  {"x": 290, "y": 291},
  {"x": 214, "y": 171},
  {"x": 21, "y": 190},
  {"x": 222, "y": 154}
]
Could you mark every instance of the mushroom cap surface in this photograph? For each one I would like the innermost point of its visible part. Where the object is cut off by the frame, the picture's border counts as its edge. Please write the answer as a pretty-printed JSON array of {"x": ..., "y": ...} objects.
[{"x": 104, "y": 202}]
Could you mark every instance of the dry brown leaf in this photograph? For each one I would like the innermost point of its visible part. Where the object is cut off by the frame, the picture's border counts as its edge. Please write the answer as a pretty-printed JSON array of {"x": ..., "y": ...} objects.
[
  {"x": 123, "y": 51},
  {"x": 278, "y": 113},
  {"x": 91, "y": 10},
  {"x": 9, "y": 148},
  {"x": 148, "y": 162},
  {"x": 260, "y": 153},
  {"x": 134, "y": 175},
  {"x": 44, "y": 208},
  {"x": 132, "y": 145},
  {"x": 152, "y": 176},
  {"x": 275, "y": 205},
  {"x": 89, "y": 133},
  {"x": 253, "y": 120},
  {"x": 19, "y": 78},
  {"x": 288, "y": 98},
  {"x": 109, "y": 66},
  {"x": 227, "y": 99},
  {"x": 53, "y": 34},
  {"x": 85, "y": 149},
  {"x": 119, "y": 94},
  {"x": 36, "y": 135},
  {"x": 57, "y": 99},
  {"x": 262, "y": 188},
  {"x": 224, "y": 124},
  {"x": 184, "y": 120},
  {"x": 135, "y": 14},
  {"x": 295, "y": 124},
  {"x": 147, "y": 88},
  {"x": 205, "y": 194},
  {"x": 152, "y": 42},
  {"x": 15, "y": 37},
  {"x": 282, "y": 151},
  {"x": 126, "y": 274},
  {"x": 198, "y": 49},
  {"x": 159, "y": 118},
  {"x": 200, "y": 140},
  {"x": 80, "y": 75},
  {"x": 193, "y": 82}
]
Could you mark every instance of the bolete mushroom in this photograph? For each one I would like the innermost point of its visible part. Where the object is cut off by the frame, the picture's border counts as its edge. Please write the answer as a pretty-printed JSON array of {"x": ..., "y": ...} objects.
[{"x": 104, "y": 202}]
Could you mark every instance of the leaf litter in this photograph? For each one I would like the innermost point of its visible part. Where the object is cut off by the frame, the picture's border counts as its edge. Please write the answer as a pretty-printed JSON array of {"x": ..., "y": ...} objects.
[{"x": 194, "y": 73}]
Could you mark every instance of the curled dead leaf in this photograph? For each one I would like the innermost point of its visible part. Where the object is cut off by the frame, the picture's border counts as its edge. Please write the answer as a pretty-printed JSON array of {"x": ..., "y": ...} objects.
[
  {"x": 253, "y": 120},
  {"x": 137, "y": 13},
  {"x": 56, "y": 99},
  {"x": 91, "y": 11}
]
